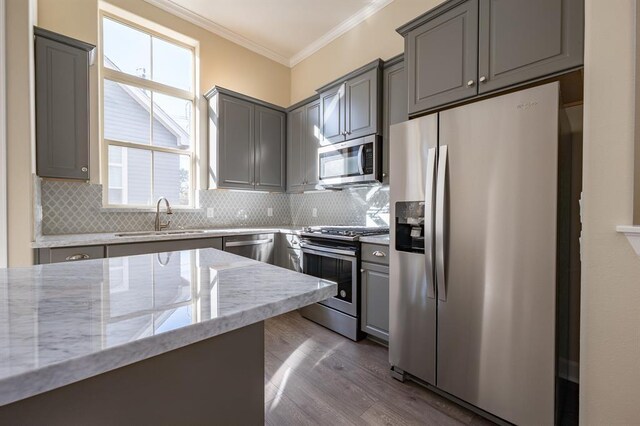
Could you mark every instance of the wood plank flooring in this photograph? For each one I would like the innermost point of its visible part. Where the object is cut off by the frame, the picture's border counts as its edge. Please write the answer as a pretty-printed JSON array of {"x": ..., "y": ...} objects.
[{"x": 314, "y": 376}]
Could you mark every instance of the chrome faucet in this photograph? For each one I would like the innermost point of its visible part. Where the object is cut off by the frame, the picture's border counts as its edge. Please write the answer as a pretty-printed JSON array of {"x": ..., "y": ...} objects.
[{"x": 162, "y": 225}]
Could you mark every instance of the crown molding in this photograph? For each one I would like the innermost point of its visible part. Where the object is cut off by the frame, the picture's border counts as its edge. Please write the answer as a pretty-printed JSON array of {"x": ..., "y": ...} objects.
[
  {"x": 334, "y": 33},
  {"x": 187, "y": 15},
  {"x": 359, "y": 17}
]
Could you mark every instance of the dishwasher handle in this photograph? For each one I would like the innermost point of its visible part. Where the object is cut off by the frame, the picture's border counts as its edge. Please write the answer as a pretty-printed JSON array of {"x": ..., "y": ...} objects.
[{"x": 248, "y": 243}]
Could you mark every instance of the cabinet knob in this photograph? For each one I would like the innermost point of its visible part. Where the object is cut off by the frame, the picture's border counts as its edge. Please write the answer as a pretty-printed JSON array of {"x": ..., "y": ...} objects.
[
  {"x": 361, "y": 270},
  {"x": 470, "y": 83},
  {"x": 384, "y": 175},
  {"x": 483, "y": 79},
  {"x": 84, "y": 169}
]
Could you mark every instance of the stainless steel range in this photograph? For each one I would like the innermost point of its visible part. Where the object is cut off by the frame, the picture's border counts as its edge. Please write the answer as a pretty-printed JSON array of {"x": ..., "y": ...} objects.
[{"x": 333, "y": 253}]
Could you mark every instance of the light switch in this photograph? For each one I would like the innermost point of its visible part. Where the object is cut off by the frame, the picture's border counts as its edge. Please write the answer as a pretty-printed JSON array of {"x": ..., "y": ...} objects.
[{"x": 314, "y": 212}]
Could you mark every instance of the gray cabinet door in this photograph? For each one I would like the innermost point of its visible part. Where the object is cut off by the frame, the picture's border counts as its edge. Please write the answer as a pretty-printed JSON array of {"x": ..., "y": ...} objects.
[
  {"x": 394, "y": 107},
  {"x": 236, "y": 144},
  {"x": 361, "y": 104},
  {"x": 311, "y": 145},
  {"x": 332, "y": 106},
  {"x": 270, "y": 148},
  {"x": 442, "y": 58},
  {"x": 522, "y": 40},
  {"x": 296, "y": 131},
  {"x": 375, "y": 300},
  {"x": 62, "y": 110}
]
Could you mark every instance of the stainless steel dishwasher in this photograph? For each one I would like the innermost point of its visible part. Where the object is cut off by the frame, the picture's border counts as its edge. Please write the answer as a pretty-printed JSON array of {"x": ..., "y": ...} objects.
[{"x": 260, "y": 247}]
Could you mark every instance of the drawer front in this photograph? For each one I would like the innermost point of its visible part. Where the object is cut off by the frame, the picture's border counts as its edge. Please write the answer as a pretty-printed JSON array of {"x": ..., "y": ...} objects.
[
  {"x": 72, "y": 254},
  {"x": 375, "y": 253}
]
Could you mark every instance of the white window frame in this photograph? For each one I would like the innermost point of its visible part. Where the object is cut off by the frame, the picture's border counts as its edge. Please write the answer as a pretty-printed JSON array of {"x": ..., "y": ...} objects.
[{"x": 138, "y": 82}]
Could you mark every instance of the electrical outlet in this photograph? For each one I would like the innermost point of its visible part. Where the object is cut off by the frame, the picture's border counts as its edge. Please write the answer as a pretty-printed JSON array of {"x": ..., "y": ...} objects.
[
  {"x": 209, "y": 212},
  {"x": 314, "y": 212},
  {"x": 270, "y": 211}
]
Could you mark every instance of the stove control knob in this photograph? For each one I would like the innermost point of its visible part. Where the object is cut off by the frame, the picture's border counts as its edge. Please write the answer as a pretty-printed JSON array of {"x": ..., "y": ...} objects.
[{"x": 343, "y": 293}]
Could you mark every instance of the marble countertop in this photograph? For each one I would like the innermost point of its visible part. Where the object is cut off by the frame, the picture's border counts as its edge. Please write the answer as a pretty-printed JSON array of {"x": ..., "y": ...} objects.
[
  {"x": 72, "y": 240},
  {"x": 376, "y": 239},
  {"x": 65, "y": 322}
]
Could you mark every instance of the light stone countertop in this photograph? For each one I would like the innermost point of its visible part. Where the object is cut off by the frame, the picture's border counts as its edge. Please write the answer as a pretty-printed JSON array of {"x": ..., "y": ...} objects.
[
  {"x": 376, "y": 239},
  {"x": 73, "y": 240},
  {"x": 65, "y": 322}
]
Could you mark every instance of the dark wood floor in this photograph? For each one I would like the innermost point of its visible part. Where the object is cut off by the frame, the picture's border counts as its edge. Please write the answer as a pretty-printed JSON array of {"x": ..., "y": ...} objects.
[{"x": 317, "y": 377}]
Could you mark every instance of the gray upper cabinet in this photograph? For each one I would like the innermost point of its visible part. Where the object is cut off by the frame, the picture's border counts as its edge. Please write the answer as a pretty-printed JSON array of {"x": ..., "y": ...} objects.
[
  {"x": 302, "y": 147},
  {"x": 246, "y": 142},
  {"x": 333, "y": 114},
  {"x": 270, "y": 149},
  {"x": 523, "y": 40},
  {"x": 62, "y": 105},
  {"x": 350, "y": 107},
  {"x": 442, "y": 58},
  {"x": 236, "y": 143},
  {"x": 361, "y": 104},
  {"x": 295, "y": 149},
  {"x": 311, "y": 145},
  {"x": 394, "y": 104},
  {"x": 466, "y": 48}
]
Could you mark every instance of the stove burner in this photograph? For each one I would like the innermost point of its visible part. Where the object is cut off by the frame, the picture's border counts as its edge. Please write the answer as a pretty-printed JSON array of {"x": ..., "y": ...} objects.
[{"x": 352, "y": 232}]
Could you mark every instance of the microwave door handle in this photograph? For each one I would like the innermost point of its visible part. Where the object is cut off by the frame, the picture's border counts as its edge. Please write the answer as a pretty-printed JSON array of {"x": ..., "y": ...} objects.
[{"x": 361, "y": 160}]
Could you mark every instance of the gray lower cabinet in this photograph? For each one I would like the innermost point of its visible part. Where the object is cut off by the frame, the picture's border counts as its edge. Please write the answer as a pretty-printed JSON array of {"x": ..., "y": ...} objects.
[
  {"x": 394, "y": 105},
  {"x": 442, "y": 58},
  {"x": 465, "y": 48},
  {"x": 288, "y": 253},
  {"x": 69, "y": 254},
  {"x": 350, "y": 107},
  {"x": 247, "y": 142},
  {"x": 259, "y": 247},
  {"x": 62, "y": 105},
  {"x": 523, "y": 40},
  {"x": 375, "y": 300},
  {"x": 302, "y": 147},
  {"x": 118, "y": 250},
  {"x": 375, "y": 291}
]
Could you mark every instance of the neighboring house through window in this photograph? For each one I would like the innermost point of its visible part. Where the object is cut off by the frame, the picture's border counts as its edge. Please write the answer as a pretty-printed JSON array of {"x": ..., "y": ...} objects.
[{"x": 148, "y": 120}]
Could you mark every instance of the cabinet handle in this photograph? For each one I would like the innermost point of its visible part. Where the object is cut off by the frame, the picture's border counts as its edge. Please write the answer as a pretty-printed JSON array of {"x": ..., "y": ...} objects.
[
  {"x": 84, "y": 169},
  {"x": 470, "y": 83},
  {"x": 379, "y": 253},
  {"x": 483, "y": 79},
  {"x": 79, "y": 256}
]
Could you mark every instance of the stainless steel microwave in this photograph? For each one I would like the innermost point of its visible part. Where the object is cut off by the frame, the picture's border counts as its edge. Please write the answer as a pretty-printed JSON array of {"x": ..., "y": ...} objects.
[{"x": 353, "y": 162}]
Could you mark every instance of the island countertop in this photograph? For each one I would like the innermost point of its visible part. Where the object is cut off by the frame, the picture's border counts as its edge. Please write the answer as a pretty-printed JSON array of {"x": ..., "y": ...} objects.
[{"x": 65, "y": 322}]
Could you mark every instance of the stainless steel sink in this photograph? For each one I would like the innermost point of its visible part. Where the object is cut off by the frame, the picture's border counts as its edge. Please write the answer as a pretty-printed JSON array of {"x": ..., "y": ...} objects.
[{"x": 152, "y": 233}]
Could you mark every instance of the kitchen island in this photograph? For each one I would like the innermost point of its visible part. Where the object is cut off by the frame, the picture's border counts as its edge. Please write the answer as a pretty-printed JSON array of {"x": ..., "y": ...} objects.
[{"x": 167, "y": 338}]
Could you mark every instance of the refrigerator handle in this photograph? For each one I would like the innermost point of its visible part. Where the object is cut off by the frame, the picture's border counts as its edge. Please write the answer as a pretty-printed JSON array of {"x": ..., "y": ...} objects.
[
  {"x": 440, "y": 224},
  {"x": 429, "y": 197}
]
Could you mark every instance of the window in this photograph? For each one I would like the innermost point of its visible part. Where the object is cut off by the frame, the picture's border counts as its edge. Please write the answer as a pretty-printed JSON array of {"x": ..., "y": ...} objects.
[{"x": 148, "y": 116}]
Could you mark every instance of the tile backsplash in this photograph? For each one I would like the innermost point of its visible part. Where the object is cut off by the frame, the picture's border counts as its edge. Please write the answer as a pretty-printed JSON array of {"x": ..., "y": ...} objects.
[{"x": 74, "y": 208}]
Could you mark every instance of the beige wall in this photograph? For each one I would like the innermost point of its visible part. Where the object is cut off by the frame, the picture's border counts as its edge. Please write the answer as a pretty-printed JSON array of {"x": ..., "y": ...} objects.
[
  {"x": 374, "y": 38},
  {"x": 610, "y": 346},
  {"x": 19, "y": 131}
]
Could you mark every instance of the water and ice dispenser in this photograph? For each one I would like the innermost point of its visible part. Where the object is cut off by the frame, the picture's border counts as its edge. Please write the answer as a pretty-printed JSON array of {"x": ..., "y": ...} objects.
[{"x": 409, "y": 223}]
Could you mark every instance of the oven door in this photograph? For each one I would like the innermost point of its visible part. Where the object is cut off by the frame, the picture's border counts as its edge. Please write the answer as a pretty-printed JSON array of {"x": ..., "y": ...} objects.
[{"x": 339, "y": 268}]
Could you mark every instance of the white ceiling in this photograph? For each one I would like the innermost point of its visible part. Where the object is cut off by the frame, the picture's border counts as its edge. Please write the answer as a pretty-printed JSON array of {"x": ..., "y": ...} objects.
[{"x": 286, "y": 31}]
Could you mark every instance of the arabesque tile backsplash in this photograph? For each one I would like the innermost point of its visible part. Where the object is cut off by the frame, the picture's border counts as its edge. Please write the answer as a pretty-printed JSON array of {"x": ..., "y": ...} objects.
[{"x": 75, "y": 208}]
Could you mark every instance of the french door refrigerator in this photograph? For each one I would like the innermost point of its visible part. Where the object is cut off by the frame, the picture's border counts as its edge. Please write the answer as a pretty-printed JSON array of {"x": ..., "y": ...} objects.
[{"x": 473, "y": 252}]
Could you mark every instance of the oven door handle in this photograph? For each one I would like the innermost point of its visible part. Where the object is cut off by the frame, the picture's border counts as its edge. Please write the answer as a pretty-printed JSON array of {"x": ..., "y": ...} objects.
[
  {"x": 335, "y": 254},
  {"x": 361, "y": 159}
]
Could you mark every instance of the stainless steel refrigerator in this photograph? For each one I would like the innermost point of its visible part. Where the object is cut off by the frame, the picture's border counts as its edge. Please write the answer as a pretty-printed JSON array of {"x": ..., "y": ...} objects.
[{"x": 473, "y": 252}]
